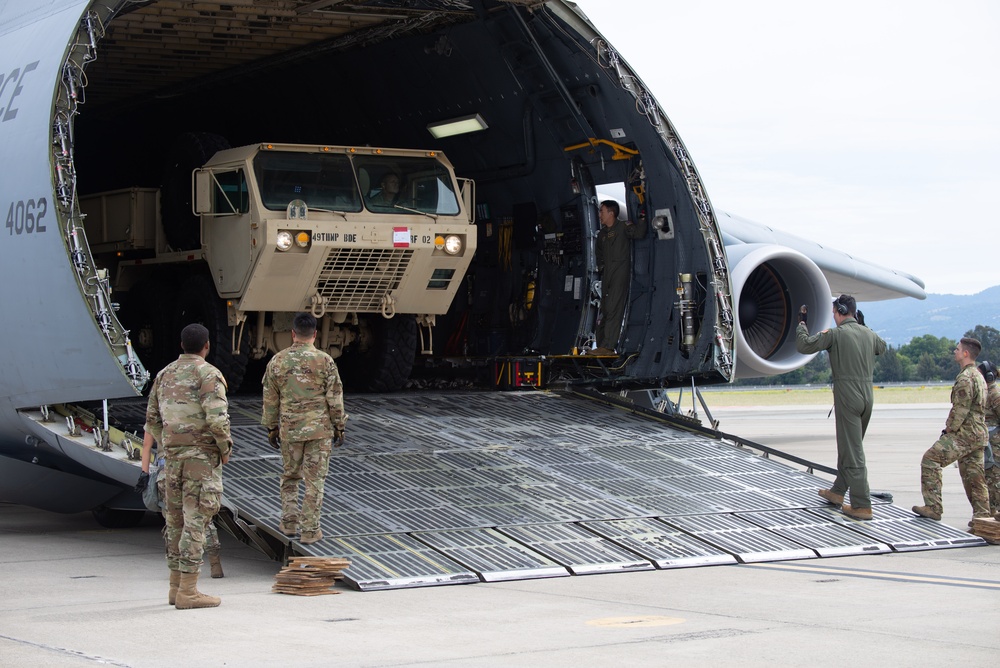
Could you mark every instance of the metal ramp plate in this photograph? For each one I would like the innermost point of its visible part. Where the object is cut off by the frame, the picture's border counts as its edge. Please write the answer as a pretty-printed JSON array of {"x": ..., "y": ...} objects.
[
  {"x": 492, "y": 555},
  {"x": 663, "y": 545},
  {"x": 805, "y": 528},
  {"x": 902, "y": 530},
  {"x": 747, "y": 541},
  {"x": 579, "y": 550},
  {"x": 391, "y": 561},
  {"x": 453, "y": 487}
]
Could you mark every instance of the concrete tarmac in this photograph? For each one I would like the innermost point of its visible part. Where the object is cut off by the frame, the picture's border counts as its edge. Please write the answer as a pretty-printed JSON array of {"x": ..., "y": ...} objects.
[{"x": 74, "y": 594}]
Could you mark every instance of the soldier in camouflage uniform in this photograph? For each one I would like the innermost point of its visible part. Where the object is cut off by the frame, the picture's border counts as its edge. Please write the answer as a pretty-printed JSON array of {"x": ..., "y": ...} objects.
[
  {"x": 962, "y": 439},
  {"x": 212, "y": 545},
  {"x": 992, "y": 450},
  {"x": 613, "y": 250},
  {"x": 304, "y": 415},
  {"x": 188, "y": 415}
]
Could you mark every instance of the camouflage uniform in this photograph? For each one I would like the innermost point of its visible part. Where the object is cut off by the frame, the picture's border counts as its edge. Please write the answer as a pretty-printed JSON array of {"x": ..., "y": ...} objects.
[
  {"x": 852, "y": 348},
  {"x": 212, "y": 544},
  {"x": 304, "y": 398},
  {"x": 963, "y": 440},
  {"x": 188, "y": 415},
  {"x": 614, "y": 260},
  {"x": 992, "y": 420}
]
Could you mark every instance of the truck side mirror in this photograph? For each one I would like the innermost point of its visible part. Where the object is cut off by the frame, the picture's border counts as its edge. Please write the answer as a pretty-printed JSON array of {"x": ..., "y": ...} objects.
[
  {"x": 202, "y": 200},
  {"x": 468, "y": 190}
]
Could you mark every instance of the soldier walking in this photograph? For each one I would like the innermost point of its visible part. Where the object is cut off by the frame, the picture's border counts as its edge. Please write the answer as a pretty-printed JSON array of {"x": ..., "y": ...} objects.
[
  {"x": 188, "y": 414},
  {"x": 304, "y": 416},
  {"x": 213, "y": 547},
  {"x": 962, "y": 439}
]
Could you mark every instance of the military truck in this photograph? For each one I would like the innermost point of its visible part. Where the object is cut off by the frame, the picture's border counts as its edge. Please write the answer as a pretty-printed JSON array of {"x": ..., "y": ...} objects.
[{"x": 373, "y": 241}]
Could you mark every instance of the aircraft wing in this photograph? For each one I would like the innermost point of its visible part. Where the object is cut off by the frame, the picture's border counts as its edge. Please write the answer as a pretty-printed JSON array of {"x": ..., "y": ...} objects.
[{"x": 846, "y": 274}]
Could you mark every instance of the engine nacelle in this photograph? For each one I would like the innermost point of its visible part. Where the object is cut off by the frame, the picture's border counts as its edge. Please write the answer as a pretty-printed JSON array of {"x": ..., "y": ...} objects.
[{"x": 769, "y": 284}]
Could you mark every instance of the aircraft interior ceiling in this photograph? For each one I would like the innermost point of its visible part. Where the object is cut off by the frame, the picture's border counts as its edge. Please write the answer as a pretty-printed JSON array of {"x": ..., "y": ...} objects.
[{"x": 376, "y": 74}]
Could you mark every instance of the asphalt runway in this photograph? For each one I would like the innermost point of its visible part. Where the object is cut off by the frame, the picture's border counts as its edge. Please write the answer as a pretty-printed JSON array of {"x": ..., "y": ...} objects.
[{"x": 75, "y": 594}]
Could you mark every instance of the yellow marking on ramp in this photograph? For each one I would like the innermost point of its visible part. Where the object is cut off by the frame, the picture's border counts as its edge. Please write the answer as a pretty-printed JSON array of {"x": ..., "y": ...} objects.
[{"x": 639, "y": 621}]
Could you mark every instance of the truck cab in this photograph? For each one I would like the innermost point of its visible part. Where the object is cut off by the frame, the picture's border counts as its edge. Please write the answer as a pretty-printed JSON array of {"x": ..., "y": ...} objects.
[{"x": 373, "y": 241}]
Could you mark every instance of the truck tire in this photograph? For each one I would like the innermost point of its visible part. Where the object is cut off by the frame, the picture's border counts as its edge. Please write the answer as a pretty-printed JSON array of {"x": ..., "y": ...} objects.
[
  {"x": 148, "y": 315},
  {"x": 198, "y": 302},
  {"x": 188, "y": 151},
  {"x": 386, "y": 365}
]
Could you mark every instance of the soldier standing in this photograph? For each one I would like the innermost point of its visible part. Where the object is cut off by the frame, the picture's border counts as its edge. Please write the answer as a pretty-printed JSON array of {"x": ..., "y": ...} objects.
[
  {"x": 213, "y": 547},
  {"x": 304, "y": 415},
  {"x": 188, "y": 414},
  {"x": 613, "y": 251},
  {"x": 962, "y": 439},
  {"x": 852, "y": 348},
  {"x": 992, "y": 450}
]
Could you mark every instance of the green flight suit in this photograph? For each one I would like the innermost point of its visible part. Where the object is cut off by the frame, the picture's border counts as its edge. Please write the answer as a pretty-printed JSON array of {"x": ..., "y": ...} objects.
[
  {"x": 613, "y": 250},
  {"x": 852, "y": 348}
]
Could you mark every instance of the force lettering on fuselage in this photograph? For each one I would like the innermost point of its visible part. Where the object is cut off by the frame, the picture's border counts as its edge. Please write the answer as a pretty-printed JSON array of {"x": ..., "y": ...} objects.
[{"x": 11, "y": 85}]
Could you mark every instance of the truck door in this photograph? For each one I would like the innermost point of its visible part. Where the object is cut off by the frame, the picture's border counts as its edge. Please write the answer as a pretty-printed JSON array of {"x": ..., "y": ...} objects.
[{"x": 226, "y": 232}]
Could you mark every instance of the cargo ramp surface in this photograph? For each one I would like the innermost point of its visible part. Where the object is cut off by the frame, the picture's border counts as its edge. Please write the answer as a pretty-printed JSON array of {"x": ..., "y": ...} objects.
[{"x": 435, "y": 488}]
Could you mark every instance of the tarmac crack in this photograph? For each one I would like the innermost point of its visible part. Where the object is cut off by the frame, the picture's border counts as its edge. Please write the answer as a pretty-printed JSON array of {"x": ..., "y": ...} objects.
[{"x": 65, "y": 651}]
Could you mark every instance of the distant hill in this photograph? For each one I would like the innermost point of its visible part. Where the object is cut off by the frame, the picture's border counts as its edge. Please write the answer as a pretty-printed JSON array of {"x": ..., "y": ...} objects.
[{"x": 899, "y": 320}]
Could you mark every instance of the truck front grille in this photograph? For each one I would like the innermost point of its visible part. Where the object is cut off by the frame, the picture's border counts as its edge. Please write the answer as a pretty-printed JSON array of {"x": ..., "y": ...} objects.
[{"x": 356, "y": 279}]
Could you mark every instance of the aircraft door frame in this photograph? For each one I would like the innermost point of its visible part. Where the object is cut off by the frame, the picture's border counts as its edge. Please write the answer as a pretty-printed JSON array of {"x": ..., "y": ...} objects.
[{"x": 583, "y": 183}]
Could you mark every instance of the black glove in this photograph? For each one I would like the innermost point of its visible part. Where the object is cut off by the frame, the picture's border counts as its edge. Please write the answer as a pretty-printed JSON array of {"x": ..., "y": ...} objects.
[
  {"x": 272, "y": 438},
  {"x": 142, "y": 483},
  {"x": 803, "y": 314},
  {"x": 338, "y": 436},
  {"x": 860, "y": 317}
]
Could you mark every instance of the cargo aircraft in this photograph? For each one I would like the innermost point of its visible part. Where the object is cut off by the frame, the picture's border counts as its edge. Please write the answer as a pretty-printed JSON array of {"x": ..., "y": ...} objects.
[{"x": 138, "y": 137}]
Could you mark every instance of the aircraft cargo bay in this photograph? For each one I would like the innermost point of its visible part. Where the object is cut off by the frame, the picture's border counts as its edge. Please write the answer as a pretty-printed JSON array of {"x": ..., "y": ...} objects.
[{"x": 447, "y": 487}]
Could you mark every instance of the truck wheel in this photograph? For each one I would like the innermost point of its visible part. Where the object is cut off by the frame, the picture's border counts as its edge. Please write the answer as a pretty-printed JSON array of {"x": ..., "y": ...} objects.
[
  {"x": 189, "y": 151},
  {"x": 386, "y": 365},
  {"x": 199, "y": 302},
  {"x": 147, "y": 314}
]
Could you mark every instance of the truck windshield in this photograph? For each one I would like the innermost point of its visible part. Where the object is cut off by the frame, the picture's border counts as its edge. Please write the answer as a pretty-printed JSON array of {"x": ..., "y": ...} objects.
[
  {"x": 401, "y": 185},
  {"x": 321, "y": 181}
]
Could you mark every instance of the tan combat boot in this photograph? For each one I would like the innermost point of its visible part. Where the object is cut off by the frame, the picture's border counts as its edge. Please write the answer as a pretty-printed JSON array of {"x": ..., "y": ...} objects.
[
  {"x": 175, "y": 581},
  {"x": 216, "y": 563},
  {"x": 856, "y": 513},
  {"x": 189, "y": 597},
  {"x": 832, "y": 497}
]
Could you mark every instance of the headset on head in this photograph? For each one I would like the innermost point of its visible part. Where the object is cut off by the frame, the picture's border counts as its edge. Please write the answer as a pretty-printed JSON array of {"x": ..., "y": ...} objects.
[
  {"x": 989, "y": 370},
  {"x": 840, "y": 306}
]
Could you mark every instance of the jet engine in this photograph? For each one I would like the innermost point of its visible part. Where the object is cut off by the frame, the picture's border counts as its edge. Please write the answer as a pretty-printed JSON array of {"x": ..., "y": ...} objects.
[{"x": 770, "y": 283}]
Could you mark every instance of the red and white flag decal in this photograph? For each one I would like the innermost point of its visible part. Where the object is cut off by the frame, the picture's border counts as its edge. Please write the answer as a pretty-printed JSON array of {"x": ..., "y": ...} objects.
[{"x": 401, "y": 237}]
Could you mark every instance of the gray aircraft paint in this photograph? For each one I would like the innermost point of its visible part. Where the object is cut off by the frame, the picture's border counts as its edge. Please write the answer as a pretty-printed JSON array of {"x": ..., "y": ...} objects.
[{"x": 54, "y": 350}]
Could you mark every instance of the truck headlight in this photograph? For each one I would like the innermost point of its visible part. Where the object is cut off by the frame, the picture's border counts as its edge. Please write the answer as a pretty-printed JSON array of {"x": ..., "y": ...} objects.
[
  {"x": 453, "y": 244},
  {"x": 284, "y": 240}
]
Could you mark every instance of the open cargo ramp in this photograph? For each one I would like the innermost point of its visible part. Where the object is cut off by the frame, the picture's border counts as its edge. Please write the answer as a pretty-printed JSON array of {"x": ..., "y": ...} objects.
[{"x": 436, "y": 488}]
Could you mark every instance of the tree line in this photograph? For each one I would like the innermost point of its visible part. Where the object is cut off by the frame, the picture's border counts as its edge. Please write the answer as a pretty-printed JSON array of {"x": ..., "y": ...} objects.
[{"x": 925, "y": 358}]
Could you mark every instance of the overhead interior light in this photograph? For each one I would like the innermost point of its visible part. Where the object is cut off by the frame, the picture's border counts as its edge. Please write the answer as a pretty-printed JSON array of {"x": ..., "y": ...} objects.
[{"x": 457, "y": 126}]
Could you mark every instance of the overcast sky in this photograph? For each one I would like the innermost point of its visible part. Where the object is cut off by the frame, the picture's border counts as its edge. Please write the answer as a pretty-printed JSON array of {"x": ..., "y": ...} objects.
[{"x": 869, "y": 126}]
